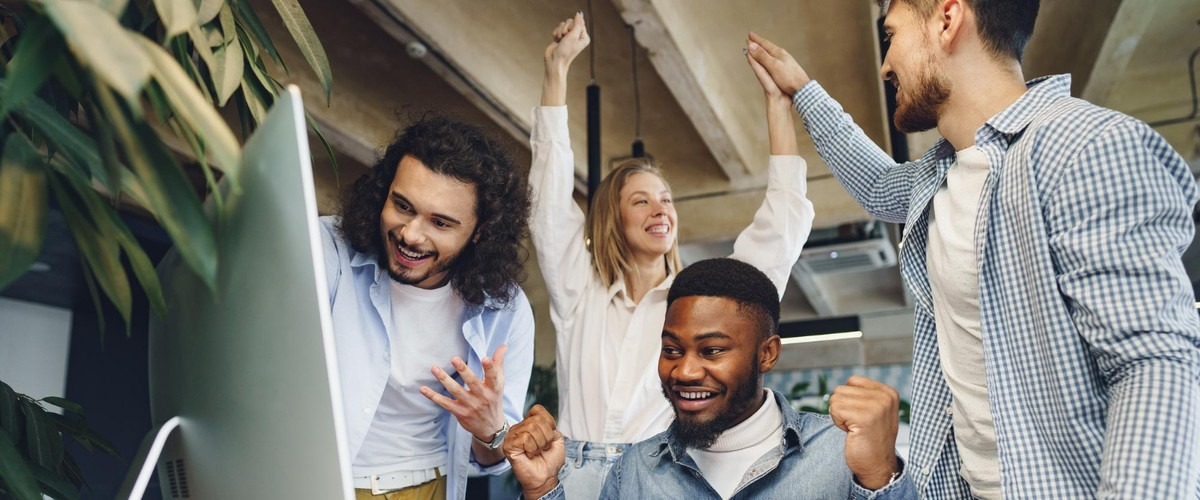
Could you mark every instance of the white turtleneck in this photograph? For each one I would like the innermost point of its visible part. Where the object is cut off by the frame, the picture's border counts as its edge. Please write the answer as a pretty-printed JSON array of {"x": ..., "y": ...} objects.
[{"x": 724, "y": 464}]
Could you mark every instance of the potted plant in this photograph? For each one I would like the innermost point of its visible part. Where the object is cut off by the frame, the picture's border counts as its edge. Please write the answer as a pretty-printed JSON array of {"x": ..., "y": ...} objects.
[{"x": 99, "y": 100}]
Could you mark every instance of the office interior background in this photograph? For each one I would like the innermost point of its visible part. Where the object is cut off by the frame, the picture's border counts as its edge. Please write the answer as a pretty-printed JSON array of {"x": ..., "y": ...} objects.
[{"x": 695, "y": 106}]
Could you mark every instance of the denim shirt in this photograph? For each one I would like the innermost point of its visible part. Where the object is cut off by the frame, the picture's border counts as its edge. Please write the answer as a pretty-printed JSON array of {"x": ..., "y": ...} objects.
[
  {"x": 809, "y": 463},
  {"x": 359, "y": 295}
]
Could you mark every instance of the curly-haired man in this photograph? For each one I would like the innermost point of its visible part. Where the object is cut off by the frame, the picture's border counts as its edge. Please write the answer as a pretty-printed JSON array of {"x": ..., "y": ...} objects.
[{"x": 423, "y": 264}]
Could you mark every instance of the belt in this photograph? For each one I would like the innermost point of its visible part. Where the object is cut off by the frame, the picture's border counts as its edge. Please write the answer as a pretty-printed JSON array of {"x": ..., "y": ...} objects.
[{"x": 396, "y": 480}]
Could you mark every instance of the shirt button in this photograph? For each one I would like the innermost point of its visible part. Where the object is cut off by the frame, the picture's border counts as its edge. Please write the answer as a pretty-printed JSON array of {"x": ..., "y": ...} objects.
[
  {"x": 925, "y": 470},
  {"x": 949, "y": 410},
  {"x": 366, "y": 410}
]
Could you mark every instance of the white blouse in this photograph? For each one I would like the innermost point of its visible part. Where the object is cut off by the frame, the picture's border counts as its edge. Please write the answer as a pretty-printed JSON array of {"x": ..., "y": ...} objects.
[{"x": 607, "y": 346}]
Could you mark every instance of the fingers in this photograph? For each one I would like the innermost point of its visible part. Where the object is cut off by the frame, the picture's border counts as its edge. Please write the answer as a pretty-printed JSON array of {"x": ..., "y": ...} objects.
[
  {"x": 451, "y": 386},
  {"x": 764, "y": 78},
  {"x": 532, "y": 436},
  {"x": 438, "y": 399},
  {"x": 577, "y": 27},
  {"x": 771, "y": 48},
  {"x": 493, "y": 367}
]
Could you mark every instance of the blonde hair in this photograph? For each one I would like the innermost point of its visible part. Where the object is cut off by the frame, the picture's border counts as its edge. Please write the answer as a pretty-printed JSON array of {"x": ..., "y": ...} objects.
[{"x": 610, "y": 251}]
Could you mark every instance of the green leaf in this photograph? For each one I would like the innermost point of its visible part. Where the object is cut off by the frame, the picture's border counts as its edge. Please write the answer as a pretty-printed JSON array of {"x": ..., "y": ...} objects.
[
  {"x": 194, "y": 109},
  {"x": 71, "y": 470},
  {"x": 312, "y": 124},
  {"x": 22, "y": 208},
  {"x": 249, "y": 21},
  {"x": 176, "y": 15},
  {"x": 228, "y": 26},
  {"x": 94, "y": 293},
  {"x": 207, "y": 10},
  {"x": 54, "y": 485},
  {"x": 227, "y": 74},
  {"x": 171, "y": 197},
  {"x": 9, "y": 413},
  {"x": 301, "y": 30},
  {"x": 42, "y": 439},
  {"x": 15, "y": 472},
  {"x": 101, "y": 252},
  {"x": 84, "y": 435},
  {"x": 38, "y": 50},
  {"x": 65, "y": 404},
  {"x": 101, "y": 44},
  {"x": 80, "y": 148}
]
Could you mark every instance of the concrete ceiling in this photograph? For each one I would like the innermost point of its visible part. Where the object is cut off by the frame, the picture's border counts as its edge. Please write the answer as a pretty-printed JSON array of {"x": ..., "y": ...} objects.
[{"x": 701, "y": 109}]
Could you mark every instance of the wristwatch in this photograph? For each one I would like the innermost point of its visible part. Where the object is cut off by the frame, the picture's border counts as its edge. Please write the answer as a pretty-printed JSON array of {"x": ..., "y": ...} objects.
[{"x": 497, "y": 439}]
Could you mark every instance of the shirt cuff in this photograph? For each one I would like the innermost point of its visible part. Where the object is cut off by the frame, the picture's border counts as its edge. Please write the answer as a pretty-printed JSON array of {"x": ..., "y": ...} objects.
[
  {"x": 808, "y": 95},
  {"x": 558, "y": 493},
  {"x": 900, "y": 487},
  {"x": 549, "y": 123}
]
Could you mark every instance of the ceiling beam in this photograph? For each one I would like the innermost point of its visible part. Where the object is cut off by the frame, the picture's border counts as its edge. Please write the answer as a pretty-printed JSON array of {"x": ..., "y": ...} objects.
[{"x": 710, "y": 114}]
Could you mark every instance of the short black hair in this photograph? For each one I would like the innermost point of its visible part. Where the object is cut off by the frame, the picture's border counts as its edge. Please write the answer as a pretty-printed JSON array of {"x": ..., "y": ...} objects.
[
  {"x": 1005, "y": 26},
  {"x": 731, "y": 279},
  {"x": 493, "y": 264}
]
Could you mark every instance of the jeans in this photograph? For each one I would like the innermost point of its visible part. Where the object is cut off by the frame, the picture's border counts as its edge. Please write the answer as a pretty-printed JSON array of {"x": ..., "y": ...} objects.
[{"x": 587, "y": 466}]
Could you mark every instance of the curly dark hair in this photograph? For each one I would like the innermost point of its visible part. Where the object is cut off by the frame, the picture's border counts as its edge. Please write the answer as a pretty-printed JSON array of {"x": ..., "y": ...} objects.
[
  {"x": 494, "y": 262},
  {"x": 735, "y": 280}
]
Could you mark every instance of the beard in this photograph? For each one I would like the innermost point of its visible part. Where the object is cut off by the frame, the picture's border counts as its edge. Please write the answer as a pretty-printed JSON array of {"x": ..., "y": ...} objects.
[
  {"x": 701, "y": 434},
  {"x": 920, "y": 112},
  {"x": 408, "y": 276}
]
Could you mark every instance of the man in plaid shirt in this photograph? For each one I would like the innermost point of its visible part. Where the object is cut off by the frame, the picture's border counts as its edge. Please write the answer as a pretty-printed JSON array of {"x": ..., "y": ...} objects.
[{"x": 1057, "y": 347}]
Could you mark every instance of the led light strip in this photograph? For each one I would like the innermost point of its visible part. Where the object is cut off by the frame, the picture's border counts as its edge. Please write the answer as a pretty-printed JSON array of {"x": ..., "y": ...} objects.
[{"x": 822, "y": 338}]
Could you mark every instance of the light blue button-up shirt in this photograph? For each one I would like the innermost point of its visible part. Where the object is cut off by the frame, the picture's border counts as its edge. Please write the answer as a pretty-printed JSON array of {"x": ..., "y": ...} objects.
[{"x": 360, "y": 299}]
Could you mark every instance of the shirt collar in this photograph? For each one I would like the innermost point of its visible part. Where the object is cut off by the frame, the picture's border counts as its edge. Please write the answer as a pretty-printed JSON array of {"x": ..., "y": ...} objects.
[
  {"x": 1042, "y": 93},
  {"x": 793, "y": 431},
  {"x": 618, "y": 287}
]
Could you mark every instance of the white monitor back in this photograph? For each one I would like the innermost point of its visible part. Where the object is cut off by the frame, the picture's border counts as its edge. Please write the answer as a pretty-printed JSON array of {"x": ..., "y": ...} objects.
[{"x": 252, "y": 373}]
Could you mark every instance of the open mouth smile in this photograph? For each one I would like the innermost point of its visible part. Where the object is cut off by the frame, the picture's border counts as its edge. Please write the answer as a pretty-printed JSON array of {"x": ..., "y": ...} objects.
[{"x": 692, "y": 401}]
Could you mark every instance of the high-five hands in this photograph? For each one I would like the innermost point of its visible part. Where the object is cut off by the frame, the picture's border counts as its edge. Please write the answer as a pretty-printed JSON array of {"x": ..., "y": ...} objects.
[
  {"x": 536, "y": 451},
  {"x": 479, "y": 410},
  {"x": 776, "y": 62},
  {"x": 869, "y": 412}
]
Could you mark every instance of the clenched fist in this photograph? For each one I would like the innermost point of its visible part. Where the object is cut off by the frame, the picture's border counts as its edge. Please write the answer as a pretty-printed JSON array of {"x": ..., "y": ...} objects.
[
  {"x": 536, "y": 451},
  {"x": 869, "y": 412}
]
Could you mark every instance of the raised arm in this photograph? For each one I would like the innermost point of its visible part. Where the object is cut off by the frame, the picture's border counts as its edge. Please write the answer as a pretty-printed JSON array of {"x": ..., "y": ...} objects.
[
  {"x": 877, "y": 183},
  {"x": 773, "y": 241},
  {"x": 557, "y": 224}
]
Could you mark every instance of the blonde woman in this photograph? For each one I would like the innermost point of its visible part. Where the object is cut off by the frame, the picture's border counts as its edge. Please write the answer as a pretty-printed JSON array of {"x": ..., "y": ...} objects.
[{"x": 608, "y": 301}]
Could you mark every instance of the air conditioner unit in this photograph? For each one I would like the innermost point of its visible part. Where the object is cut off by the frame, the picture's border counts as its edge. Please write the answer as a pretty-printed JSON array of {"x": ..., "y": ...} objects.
[{"x": 862, "y": 255}]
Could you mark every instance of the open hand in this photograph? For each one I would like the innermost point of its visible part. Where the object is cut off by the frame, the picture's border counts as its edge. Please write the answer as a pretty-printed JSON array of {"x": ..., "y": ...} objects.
[
  {"x": 536, "y": 451},
  {"x": 869, "y": 412},
  {"x": 479, "y": 410},
  {"x": 781, "y": 66}
]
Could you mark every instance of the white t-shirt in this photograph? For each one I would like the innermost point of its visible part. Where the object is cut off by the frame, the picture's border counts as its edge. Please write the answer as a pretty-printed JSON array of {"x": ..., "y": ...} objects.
[
  {"x": 406, "y": 432},
  {"x": 724, "y": 464},
  {"x": 954, "y": 278}
]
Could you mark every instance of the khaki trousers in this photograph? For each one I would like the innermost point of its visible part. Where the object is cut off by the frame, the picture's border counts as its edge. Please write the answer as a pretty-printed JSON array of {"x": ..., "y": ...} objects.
[{"x": 429, "y": 490}]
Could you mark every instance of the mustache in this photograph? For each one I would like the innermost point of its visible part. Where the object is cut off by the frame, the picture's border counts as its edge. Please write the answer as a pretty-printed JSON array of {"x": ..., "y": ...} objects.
[{"x": 399, "y": 241}]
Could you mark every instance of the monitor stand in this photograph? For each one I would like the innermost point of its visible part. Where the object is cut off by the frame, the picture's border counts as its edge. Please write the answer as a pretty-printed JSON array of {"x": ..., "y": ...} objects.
[{"x": 134, "y": 486}]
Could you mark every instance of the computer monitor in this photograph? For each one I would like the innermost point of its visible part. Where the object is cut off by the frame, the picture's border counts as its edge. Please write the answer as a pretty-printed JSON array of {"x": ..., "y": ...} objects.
[{"x": 251, "y": 373}]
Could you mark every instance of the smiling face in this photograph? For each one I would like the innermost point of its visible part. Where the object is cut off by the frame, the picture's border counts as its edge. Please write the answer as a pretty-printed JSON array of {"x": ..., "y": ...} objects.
[
  {"x": 921, "y": 89},
  {"x": 426, "y": 222},
  {"x": 647, "y": 216},
  {"x": 711, "y": 364}
]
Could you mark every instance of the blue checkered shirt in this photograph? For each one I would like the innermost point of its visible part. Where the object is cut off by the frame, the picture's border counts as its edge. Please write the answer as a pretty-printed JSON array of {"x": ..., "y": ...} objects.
[{"x": 1090, "y": 334}]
